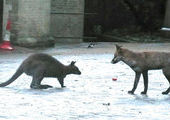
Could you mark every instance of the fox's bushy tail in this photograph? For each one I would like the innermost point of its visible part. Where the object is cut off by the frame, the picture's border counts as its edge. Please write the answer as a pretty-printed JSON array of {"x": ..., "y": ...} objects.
[{"x": 13, "y": 78}]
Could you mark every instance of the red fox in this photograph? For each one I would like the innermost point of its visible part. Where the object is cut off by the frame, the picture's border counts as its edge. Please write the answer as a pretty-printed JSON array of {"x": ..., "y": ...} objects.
[{"x": 141, "y": 62}]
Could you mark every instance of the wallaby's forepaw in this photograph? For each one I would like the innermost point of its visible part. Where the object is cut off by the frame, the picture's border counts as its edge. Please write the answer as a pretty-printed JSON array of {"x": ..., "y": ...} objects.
[
  {"x": 63, "y": 86},
  {"x": 130, "y": 92}
]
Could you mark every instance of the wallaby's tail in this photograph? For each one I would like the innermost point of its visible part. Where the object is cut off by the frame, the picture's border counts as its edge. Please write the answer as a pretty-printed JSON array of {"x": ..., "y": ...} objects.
[{"x": 13, "y": 78}]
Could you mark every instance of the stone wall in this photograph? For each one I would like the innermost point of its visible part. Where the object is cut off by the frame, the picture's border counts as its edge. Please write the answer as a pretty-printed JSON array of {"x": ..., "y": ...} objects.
[
  {"x": 31, "y": 22},
  {"x": 1, "y": 20},
  {"x": 35, "y": 21},
  {"x": 6, "y": 8},
  {"x": 67, "y": 20}
]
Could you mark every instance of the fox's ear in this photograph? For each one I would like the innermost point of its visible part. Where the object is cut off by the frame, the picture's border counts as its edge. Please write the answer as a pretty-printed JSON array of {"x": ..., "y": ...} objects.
[{"x": 118, "y": 47}]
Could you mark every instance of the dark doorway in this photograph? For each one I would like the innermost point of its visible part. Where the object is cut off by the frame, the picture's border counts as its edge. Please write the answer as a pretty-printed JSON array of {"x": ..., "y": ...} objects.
[
  {"x": 1, "y": 19},
  {"x": 107, "y": 20},
  {"x": 93, "y": 19},
  {"x": 100, "y": 16}
]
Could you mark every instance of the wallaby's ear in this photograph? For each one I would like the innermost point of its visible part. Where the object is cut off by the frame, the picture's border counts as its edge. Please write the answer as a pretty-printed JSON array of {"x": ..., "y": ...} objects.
[
  {"x": 118, "y": 47},
  {"x": 73, "y": 62}
]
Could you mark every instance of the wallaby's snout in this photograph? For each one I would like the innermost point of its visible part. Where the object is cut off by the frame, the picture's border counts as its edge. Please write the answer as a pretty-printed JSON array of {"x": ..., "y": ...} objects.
[
  {"x": 75, "y": 69},
  {"x": 79, "y": 73}
]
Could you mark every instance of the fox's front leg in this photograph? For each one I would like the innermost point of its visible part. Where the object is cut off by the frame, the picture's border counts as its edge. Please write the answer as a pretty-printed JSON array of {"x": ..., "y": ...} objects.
[
  {"x": 145, "y": 78},
  {"x": 137, "y": 77}
]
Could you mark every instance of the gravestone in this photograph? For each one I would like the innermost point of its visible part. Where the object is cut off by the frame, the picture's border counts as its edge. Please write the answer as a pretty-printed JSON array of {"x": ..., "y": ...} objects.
[{"x": 67, "y": 20}]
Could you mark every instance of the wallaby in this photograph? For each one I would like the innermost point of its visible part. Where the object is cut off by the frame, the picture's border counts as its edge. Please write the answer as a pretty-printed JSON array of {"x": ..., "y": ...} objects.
[
  {"x": 43, "y": 65},
  {"x": 141, "y": 62}
]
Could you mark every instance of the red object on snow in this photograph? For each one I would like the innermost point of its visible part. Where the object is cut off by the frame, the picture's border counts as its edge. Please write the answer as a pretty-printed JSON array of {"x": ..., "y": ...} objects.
[
  {"x": 114, "y": 79},
  {"x": 6, "y": 45}
]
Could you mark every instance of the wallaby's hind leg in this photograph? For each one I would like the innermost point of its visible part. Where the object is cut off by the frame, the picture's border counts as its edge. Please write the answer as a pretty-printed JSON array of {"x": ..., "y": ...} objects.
[
  {"x": 36, "y": 83},
  {"x": 167, "y": 75},
  {"x": 45, "y": 86},
  {"x": 145, "y": 80},
  {"x": 37, "y": 78}
]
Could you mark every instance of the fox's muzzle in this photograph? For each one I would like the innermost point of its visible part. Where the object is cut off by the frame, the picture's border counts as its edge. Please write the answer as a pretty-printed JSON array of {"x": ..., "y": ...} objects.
[
  {"x": 115, "y": 60},
  {"x": 78, "y": 72}
]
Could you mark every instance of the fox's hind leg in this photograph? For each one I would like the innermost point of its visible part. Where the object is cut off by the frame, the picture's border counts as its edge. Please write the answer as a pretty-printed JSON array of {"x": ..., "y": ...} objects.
[{"x": 166, "y": 72}]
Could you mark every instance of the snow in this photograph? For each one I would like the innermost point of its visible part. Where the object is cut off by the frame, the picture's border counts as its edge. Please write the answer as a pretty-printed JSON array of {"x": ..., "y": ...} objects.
[
  {"x": 90, "y": 96},
  {"x": 166, "y": 29}
]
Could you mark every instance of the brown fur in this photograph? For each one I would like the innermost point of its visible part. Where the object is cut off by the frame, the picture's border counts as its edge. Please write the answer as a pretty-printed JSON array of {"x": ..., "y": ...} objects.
[{"x": 141, "y": 62}]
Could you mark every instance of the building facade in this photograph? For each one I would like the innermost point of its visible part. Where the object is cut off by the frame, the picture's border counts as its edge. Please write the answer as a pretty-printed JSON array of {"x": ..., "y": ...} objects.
[{"x": 44, "y": 22}]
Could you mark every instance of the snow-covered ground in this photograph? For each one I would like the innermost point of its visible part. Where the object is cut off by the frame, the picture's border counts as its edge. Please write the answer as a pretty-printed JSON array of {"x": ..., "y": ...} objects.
[{"x": 90, "y": 96}]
